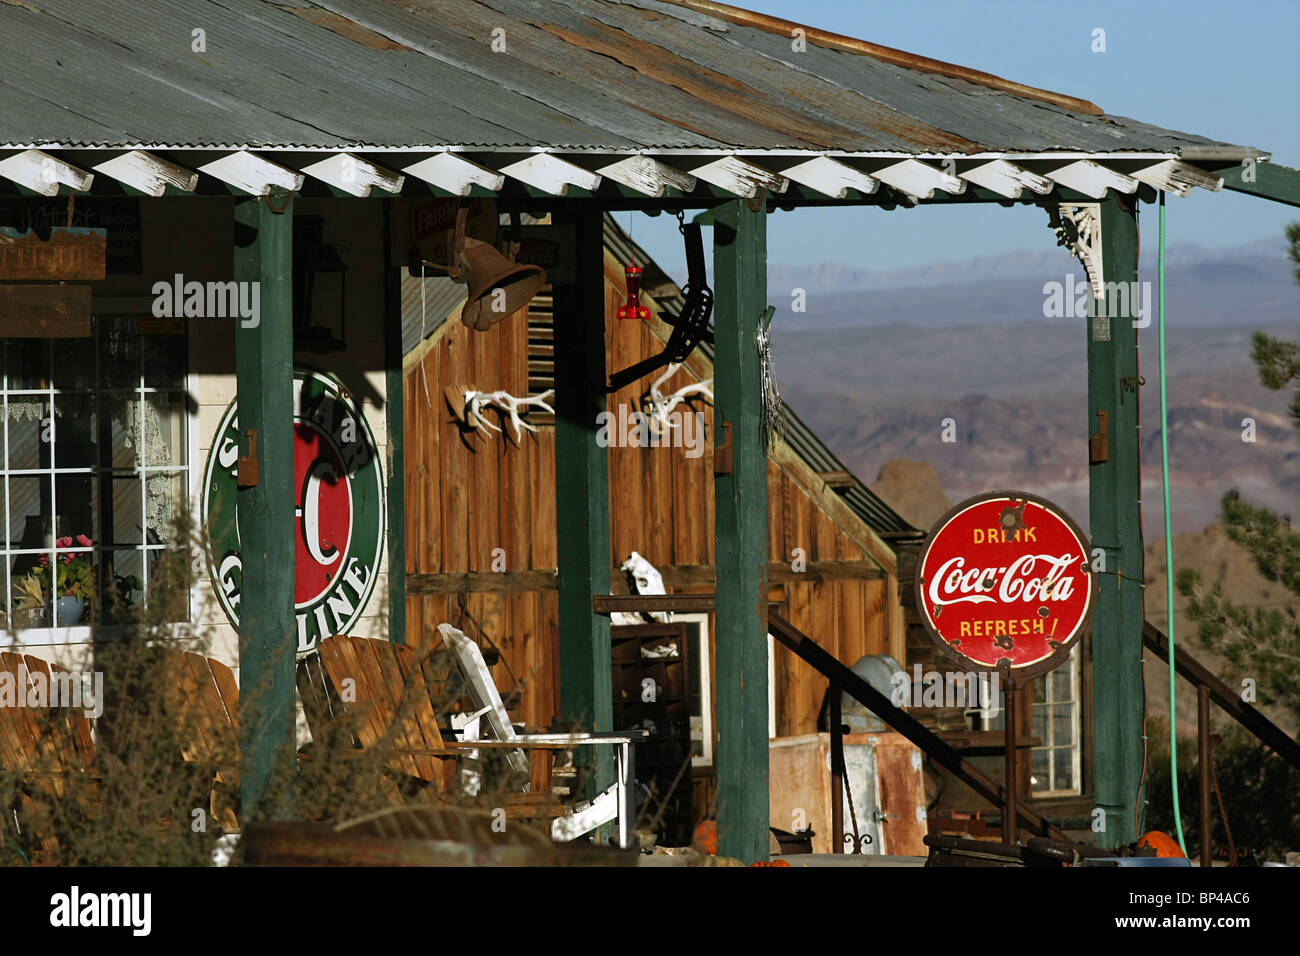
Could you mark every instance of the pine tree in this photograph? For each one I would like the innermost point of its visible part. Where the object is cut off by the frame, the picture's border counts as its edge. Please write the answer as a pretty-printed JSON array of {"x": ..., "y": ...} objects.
[{"x": 1263, "y": 643}]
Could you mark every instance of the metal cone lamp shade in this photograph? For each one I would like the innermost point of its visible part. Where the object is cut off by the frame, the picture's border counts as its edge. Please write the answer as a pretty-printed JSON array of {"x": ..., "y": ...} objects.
[{"x": 497, "y": 287}]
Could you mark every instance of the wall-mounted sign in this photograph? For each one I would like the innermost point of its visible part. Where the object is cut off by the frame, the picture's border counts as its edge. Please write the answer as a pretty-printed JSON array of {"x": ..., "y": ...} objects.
[
  {"x": 1006, "y": 576},
  {"x": 118, "y": 216},
  {"x": 62, "y": 254},
  {"x": 338, "y": 509},
  {"x": 44, "y": 311}
]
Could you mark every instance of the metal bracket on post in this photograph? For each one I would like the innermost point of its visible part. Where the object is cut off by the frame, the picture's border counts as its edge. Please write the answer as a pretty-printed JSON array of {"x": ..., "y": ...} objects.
[
  {"x": 1099, "y": 444},
  {"x": 246, "y": 468},
  {"x": 724, "y": 455}
]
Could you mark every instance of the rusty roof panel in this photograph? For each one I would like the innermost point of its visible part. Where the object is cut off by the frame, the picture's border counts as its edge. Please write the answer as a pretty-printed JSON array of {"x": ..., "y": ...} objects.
[{"x": 577, "y": 75}]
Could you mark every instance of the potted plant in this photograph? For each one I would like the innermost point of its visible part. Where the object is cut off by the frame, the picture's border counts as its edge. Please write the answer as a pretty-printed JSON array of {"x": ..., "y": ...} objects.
[{"x": 74, "y": 581}]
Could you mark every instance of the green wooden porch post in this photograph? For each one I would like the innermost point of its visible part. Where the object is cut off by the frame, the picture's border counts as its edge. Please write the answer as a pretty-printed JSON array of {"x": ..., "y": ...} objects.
[
  {"x": 1114, "y": 494},
  {"x": 582, "y": 491},
  {"x": 264, "y": 379},
  {"x": 740, "y": 280}
]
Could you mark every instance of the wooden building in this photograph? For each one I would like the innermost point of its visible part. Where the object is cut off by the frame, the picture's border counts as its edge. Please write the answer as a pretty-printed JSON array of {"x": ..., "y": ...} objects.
[
  {"x": 480, "y": 518},
  {"x": 234, "y": 349}
]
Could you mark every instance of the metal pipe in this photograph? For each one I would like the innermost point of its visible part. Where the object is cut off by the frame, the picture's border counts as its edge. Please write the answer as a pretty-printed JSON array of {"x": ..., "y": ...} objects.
[
  {"x": 837, "y": 772},
  {"x": 1205, "y": 757},
  {"x": 1009, "y": 782}
]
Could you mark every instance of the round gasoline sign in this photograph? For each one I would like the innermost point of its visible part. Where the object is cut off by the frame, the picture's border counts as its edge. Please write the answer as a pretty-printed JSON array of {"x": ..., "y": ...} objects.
[
  {"x": 1006, "y": 576},
  {"x": 338, "y": 509}
]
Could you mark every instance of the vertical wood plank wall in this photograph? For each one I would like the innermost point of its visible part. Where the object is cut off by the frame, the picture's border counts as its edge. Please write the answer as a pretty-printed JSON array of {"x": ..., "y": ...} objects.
[{"x": 468, "y": 496}]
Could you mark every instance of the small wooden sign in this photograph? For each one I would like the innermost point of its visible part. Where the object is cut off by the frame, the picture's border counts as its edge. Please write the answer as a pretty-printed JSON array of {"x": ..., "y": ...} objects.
[
  {"x": 166, "y": 325},
  {"x": 68, "y": 253},
  {"x": 44, "y": 311}
]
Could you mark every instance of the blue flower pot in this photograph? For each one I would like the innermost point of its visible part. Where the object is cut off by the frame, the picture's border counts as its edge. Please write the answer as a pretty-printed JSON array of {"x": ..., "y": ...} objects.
[{"x": 71, "y": 611}]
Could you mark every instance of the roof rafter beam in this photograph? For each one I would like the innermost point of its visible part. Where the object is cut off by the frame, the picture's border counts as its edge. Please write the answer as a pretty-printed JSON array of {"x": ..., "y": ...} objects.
[
  {"x": 1091, "y": 179},
  {"x": 831, "y": 178},
  {"x": 1266, "y": 180},
  {"x": 252, "y": 174},
  {"x": 733, "y": 175},
  {"x": 918, "y": 179},
  {"x": 648, "y": 176},
  {"x": 551, "y": 174},
  {"x": 354, "y": 175},
  {"x": 148, "y": 173},
  {"x": 455, "y": 174},
  {"x": 44, "y": 174},
  {"x": 1006, "y": 179},
  {"x": 1177, "y": 177}
]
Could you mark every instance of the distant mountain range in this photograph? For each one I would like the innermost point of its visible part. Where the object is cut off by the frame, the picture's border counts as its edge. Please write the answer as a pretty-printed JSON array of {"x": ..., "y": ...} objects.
[
  {"x": 876, "y": 371},
  {"x": 830, "y": 278}
]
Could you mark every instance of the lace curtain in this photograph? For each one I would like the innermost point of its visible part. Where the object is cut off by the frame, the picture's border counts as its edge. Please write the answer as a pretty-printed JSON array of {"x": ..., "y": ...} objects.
[{"x": 142, "y": 430}]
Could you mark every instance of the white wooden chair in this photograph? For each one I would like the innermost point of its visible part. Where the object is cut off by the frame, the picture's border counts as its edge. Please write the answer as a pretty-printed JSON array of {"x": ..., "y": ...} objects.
[{"x": 614, "y": 803}]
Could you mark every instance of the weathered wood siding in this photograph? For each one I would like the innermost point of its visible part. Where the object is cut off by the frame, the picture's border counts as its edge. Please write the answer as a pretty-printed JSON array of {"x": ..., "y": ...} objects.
[{"x": 466, "y": 496}]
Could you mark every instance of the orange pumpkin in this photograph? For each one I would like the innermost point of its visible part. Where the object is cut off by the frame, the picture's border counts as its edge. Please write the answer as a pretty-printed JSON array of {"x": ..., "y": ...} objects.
[
  {"x": 770, "y": 863},
  {"x": 706, "y": 837},
  {"x": 1164, "y": 844}
]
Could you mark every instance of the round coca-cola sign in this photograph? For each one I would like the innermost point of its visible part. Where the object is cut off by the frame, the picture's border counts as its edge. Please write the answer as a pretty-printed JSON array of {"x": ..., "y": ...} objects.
[{"x": 1006, "y": 576}]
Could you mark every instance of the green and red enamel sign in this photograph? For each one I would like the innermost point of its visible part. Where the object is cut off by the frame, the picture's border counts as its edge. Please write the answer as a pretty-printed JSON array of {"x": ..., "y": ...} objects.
[
  {"x": 1006, "y": 576},
  {"x": 338, "y": 509}
]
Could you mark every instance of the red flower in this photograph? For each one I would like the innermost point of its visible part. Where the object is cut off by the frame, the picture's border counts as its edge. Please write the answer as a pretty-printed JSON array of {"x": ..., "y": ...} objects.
[
  {"x": 84, "y": 541},
  {"x": 44, "y": 560},
  {"x": 63, "y": 542}
]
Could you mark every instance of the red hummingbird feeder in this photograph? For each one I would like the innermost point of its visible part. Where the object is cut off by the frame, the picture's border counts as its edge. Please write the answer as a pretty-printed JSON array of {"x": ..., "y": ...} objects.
[{"x": 633, "y": 309}]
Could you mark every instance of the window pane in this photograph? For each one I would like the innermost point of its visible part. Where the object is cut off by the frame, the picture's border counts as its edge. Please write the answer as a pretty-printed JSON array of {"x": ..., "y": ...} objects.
[
  {"x": 1062, "y": 724},
  {"x": 128, "y": 527},
  {"x": 75, "y": 362},
  {"x": 1064, "y": 766},
  {"x": 78, "y": 500},
  {"x": 76, "y": 442},
  {"x": 164, "y": 429},
  {"x": 162, "y": 360},
  {"x": 27, "y": 363},
  {"x": 1038, "y": 768},
  {"x": 1037, "y": 688},
  {"x": 119, "y": 352},
  {"x": 121, "y": 574},
  {"x": 25, "y": 415},
  {"x": 164, "y": 497},
  {"x": 28, "y": 525},
  {"x": 1039, "y": 721},
  {"x": 1061, "y": 679}
]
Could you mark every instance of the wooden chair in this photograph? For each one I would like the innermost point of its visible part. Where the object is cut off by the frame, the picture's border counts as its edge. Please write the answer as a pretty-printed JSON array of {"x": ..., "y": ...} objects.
[
  {"x": 381, "y": 689},
  {"x": 46, "y": 747}
]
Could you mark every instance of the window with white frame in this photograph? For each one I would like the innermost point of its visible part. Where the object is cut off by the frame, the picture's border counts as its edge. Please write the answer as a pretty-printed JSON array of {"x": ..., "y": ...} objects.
[
  {"x": 95, "y": 468},
  {"x": 699, "y": 694},
  {"x": 1055, "y": 766}
]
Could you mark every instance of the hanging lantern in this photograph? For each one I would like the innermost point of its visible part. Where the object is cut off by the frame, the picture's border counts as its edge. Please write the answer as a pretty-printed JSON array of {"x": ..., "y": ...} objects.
[{"x": 633, "y": 309}]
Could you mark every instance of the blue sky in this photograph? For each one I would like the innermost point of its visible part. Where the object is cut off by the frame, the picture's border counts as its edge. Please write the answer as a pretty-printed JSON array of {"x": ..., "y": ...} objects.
[{"x": 1223, "y": 70}]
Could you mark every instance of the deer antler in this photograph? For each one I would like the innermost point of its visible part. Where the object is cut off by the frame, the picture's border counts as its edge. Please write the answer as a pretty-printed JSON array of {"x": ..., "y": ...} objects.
[
  {"x": 659, "y": 406},
  {"x": 511, "y": 406},
  {"x": 477, "y": 402}
]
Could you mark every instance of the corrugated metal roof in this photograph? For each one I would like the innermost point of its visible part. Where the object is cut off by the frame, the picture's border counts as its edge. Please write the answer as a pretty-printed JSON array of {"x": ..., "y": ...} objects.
[
  {"x": 576, "y": 75},
  {"x": 802, "y": 440},
  {"x": 426, "y": 304}
]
